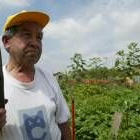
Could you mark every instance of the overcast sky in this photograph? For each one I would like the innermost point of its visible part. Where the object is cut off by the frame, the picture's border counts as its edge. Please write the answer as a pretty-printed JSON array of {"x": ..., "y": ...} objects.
[{"x": 90, "y": 27}]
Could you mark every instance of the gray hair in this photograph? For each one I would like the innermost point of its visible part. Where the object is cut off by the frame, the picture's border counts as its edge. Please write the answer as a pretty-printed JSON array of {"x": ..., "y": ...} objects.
[{"x": 10, "y": 32}]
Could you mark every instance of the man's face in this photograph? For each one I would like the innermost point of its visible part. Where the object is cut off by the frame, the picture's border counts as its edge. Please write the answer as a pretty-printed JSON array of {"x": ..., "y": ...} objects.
[{"x": 26, "y": 45}]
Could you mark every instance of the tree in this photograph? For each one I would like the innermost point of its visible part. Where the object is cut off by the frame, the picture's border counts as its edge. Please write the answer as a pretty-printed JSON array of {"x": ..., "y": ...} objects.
[
  {"x": 128, "y": 63},
  {"x": 95, "y": 62},
  {"x": 97, "y": 68},
  {"x": 78, "y": 66}
]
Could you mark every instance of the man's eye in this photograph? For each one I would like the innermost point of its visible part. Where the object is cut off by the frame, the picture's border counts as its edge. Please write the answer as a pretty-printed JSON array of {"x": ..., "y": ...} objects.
[
  {"x": 39, "y": 37},
  {"x": 26, "y": 34}
]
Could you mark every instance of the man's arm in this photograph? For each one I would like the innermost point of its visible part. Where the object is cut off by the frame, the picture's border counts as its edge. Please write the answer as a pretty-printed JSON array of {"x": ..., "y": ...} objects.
[{"x": 65, "y": 131}]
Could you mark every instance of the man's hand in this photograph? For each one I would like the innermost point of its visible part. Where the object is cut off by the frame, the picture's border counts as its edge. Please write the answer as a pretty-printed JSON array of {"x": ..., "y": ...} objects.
[
  {"x": 2, "y": 117},
  {"x": 65, "y": 131}
]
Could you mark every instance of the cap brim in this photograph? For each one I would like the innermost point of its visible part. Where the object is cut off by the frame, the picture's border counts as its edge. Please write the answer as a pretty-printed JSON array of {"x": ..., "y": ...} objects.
[{"x": 40, "y": 18}]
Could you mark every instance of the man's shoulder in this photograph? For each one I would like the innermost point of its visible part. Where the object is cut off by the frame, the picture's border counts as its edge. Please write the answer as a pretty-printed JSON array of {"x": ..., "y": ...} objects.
[
  {"x": 46, "y": 73},
  {"x": 43, "y": 70}
]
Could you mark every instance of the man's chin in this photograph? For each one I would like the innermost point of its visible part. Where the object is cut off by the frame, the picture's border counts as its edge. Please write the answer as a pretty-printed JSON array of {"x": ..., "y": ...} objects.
[{"x": 32, "y": 61}]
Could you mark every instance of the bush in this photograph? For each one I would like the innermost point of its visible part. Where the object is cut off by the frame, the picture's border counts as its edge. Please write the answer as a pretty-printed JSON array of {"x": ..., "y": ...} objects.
[{"x": 95, "y": 105}]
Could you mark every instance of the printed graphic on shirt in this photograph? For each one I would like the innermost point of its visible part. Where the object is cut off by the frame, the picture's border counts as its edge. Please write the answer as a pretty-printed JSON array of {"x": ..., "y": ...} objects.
[{"x": 34, "y": 124}]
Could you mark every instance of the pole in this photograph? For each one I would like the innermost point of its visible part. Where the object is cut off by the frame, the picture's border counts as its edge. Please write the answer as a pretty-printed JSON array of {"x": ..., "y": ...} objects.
[
  {"x": 73, "y": 120},
  {"x": 2, "y": 102}
]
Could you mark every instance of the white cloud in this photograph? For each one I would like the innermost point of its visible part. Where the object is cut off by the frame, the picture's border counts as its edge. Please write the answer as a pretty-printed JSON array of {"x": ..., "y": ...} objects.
[
  {"x": 71, "y": 28},
  {"x": 76, "y": 35},
  {"x": 127, "y": 24},
  {"x": 17, "y": 3},
  {"x": 126, "y": 28},
  {"x": 65, "y": 29}
]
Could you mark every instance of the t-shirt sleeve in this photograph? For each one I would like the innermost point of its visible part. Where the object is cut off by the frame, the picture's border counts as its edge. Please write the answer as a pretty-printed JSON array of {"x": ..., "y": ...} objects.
[{"x": 62, "y": 110}]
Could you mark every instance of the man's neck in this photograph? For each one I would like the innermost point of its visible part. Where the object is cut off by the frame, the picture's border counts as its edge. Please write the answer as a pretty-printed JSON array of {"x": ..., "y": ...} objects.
[{"x": 22, "y": 73}]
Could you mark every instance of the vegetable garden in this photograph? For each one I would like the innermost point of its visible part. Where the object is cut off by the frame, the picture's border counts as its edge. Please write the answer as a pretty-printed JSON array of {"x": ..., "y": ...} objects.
[
  {"x": 95, "y": 106},
  {"x": 97, "y": 102}
]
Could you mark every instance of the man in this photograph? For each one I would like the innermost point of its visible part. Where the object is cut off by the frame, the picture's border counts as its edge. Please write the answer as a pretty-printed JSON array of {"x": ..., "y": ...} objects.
[{"x": 36, "y": 109}]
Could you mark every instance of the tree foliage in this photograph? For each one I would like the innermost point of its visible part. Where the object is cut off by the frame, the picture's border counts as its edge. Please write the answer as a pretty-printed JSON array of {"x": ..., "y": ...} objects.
[
  {"x": 78, "y": 66},
  {"x": 129, "y": 62}
]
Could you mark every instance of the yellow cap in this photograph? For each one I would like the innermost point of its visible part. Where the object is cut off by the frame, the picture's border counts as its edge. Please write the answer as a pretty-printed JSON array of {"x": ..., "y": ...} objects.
[{"x": 31, "y": 16}]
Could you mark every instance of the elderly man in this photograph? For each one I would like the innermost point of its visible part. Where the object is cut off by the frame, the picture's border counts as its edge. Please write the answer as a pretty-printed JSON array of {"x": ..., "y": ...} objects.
[{"x": 36, "y": 109}]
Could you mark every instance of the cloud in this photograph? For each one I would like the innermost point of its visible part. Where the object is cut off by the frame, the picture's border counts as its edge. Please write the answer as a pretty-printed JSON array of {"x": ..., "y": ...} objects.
[
  {"x": 125, "y": 28},
  {"x": 70, "y": 27},
  {"x": 127, "y": 24},
  {"x": 75, "y": 35},
  {"x": 16, "y": 3}
]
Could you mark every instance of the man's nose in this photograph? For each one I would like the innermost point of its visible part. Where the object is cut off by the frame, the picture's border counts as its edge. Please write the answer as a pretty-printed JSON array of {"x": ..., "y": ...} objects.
[{"x": 34, "y": 44}]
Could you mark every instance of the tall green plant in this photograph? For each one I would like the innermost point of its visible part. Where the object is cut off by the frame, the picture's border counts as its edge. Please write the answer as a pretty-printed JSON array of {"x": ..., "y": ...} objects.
[
  {"x": 128, "y": 62},
  {"x": 78, "y": 66},
  {"x": 95, "y": 62}
]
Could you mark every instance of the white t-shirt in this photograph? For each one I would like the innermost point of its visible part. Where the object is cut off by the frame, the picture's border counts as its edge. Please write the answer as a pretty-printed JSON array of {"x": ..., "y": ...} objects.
[{"x": 34, "y": 109}]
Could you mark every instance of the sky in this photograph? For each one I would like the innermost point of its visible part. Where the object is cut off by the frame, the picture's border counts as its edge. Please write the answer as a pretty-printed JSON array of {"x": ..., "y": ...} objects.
[{"x": 93, "y": 28}]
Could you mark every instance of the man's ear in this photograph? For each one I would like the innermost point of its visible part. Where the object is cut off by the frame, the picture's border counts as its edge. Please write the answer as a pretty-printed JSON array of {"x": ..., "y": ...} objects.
[{"x": 5, "y": 40}]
